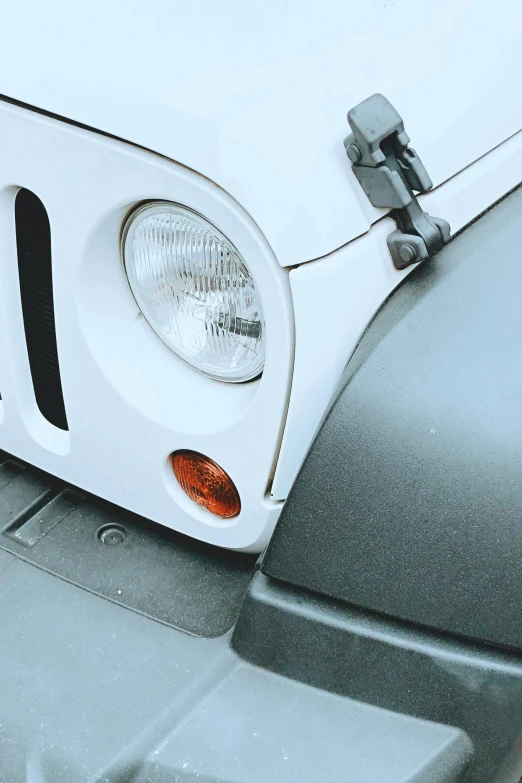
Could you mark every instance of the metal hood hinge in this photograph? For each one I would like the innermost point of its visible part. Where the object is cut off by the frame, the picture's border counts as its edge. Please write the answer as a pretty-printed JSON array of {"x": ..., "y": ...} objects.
[{"x": 389, "y": 172}]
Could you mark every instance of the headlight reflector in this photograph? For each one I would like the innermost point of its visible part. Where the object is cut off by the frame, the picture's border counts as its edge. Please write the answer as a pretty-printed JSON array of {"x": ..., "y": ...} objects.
[{"x": 195, "y": 290}]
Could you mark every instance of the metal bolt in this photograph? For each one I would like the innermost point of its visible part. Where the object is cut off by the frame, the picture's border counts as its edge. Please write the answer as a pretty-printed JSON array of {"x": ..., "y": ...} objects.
[
  {"x": 354, "y": 153},
  {"x": 112, "y": 535},
  {"x": 408, "y": 254}
]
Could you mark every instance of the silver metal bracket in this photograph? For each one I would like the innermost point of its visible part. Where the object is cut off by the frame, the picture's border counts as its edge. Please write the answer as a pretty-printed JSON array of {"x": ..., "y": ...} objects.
[{"x": 389, "y": 172}]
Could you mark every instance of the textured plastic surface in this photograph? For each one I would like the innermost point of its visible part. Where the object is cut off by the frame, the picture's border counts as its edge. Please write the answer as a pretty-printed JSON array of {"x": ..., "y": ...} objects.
[
  {"x": 256, "y": 727},
  {"x": 141, "y": 565},
  {"x": 409, "y": 502},
  {"x": 379, "y": 661},
  {"x": 94, "y": 693}
]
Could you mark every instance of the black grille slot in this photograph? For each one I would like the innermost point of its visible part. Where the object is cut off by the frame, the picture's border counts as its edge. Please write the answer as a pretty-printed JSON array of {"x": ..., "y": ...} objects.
[{"x": 33, "y": 241}]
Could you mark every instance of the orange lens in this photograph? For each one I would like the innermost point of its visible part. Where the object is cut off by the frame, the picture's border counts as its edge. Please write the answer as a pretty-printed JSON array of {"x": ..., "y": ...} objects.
[{"x": 206, "y": 483}]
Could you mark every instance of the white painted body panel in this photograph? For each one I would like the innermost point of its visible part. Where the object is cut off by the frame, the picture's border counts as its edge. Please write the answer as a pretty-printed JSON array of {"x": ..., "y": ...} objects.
[
  {"x": 131, "y": 402},
  {"x": 247, "y": 103},
  {"x": 254, "y": 95}
]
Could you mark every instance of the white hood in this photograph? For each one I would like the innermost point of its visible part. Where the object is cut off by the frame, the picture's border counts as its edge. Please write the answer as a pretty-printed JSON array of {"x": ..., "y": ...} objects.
[{"x": 253, "y": 94}]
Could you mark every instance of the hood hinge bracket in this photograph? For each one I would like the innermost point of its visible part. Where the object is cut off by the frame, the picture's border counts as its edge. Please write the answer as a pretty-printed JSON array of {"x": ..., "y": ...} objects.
[{"x": 389, "y": 172}]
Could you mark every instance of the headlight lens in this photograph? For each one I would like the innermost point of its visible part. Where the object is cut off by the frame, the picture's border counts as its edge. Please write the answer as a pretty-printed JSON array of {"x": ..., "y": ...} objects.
[{"x": 195, "y": 290}]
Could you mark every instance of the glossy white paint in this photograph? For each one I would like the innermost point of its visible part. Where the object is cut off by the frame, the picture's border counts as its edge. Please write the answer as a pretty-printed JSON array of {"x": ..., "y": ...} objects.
[
  {"x": 254, "y": 95},
  {"x": 130, "y": 401},
  {"x": 335, "y": 298}
]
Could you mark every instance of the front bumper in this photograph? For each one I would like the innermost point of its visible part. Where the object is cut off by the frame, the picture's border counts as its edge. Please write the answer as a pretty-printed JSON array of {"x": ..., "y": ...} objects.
[{"x": 93, "y": 691}]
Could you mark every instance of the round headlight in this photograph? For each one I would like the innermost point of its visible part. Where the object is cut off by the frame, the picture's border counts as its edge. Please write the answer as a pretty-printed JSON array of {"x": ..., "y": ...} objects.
[{"x": 195, "y": 290}]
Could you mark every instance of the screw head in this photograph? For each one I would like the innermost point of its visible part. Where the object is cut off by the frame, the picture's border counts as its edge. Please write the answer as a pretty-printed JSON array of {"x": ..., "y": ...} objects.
[
  {"x": 354, "y": 153},
  {"x": 407, "y": 253},
  {"x": 112, "y": 535}
]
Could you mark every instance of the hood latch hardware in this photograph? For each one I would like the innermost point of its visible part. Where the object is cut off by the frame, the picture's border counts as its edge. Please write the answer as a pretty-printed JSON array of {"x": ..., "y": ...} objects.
[{"x": 389, "y": 172}]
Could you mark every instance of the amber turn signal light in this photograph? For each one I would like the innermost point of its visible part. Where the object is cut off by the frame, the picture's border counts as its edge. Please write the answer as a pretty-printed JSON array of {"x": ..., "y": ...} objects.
[{"x": 206, "y": 483}]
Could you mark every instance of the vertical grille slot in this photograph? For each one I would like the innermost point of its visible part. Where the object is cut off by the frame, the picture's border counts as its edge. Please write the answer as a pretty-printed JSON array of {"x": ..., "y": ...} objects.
[{"x": 33, "y": 241}]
